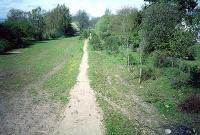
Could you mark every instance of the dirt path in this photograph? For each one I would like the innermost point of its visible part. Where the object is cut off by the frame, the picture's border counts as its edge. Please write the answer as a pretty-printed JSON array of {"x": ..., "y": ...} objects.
[{"x": 82, "y": 115}]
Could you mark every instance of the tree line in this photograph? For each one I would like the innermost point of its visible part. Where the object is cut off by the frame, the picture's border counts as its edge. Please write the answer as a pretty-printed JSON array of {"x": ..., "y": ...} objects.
[
  {"x": 20, "y": 27},
  {"x": 162, "y": 33}
]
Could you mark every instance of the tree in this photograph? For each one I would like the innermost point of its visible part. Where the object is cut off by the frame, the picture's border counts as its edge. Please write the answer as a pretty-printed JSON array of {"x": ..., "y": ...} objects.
[
  {"x": 93, "y": 21},
  {"x": 196, "y": 17},
  {"x": 127, "y": 24},
  {"x": 58, "y": 22},
  {"x": 159, "y": 23},
  {"x": 37, "y": 22},
  {"x": 82, "y": 19},
  {"x": 18, "y": 23},
  {"x": 102, "y": 26},
  {"x": 182, "y": 5}
]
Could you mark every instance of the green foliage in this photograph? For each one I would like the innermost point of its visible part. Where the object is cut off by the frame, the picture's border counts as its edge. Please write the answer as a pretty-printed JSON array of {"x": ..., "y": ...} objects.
[
  {"x": 102, "y": 26},
  {"x": 147, "y": 73},
  {"x": 119, "y": 30},
  {"x": 16, "y": 28},
  {"x": 128, "y": 19},
  {"x": 58, "y": 22},
  {"x": 37, "y": 23},
  {"x": 159, "y": 23},
  {"x": 85, "y": 34},
  {"x": 196, "y": 17},
  {"x": 19, "y": 20},
  {"x": 181, "y": 43},
  {"x": 95, "y": 42},
  {"x": 182, "y": 5},
  {"x": 162, "y": 59},
  {"x": 179, "y": 79},
  {"x": 111, "y": 44}
]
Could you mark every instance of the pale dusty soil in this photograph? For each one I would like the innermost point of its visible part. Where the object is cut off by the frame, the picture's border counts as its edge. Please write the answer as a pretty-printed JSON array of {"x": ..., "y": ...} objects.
[
  {"x": 21, "y": 115},
  {"x": 82, "y": 115}
]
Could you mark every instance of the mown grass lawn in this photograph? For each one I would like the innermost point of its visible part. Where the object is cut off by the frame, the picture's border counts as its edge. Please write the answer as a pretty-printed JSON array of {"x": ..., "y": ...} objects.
[{"x": 34, "y": 62}]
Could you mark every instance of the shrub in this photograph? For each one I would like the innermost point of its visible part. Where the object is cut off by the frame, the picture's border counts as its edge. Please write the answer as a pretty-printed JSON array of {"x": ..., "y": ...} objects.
[
  {"x": 133, "y": 60},
  {"x": 53, "y": 33},
  {"x": 3, "y": 45},
  {"x": 111, "y": 44},
  {"x": 95, "y": 42},
  {"x": 179, "y": 80},
  {"x": 194, "y": 73},
  {"x": 162, "y": 59},
  {"x": 84, "y": 34},
  {"x": 147, "y": 73},
  {"x": 191, "y": 104}
]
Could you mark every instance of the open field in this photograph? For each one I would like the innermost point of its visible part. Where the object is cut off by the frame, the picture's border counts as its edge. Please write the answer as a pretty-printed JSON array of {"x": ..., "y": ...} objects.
[{"x": 35, "y": 83}]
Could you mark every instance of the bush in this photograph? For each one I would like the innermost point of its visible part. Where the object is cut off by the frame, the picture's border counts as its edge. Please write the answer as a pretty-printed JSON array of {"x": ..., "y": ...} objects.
[
  {"x": 3, "y": 45},
  {"x": 111, "y": 44},
  {"x": 147, "y": 73},
  {"x": 162, "y": 59},
  {"x": 180, "y": 80},
  {"x": 95, "y": 42},
  {"x": 54, "y": 35},
  {"x": 84, "y": 34},
  {"x": 194, "y": 73},
  {"x": 133, "y": 60}
]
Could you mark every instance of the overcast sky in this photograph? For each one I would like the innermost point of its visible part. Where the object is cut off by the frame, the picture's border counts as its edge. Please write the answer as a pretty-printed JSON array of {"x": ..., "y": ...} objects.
[{"x": 93, "y": 7}]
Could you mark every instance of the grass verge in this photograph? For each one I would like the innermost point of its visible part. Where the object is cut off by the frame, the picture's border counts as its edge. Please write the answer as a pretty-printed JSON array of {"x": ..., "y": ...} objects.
[
  {"x": 110, "y": 78},
  {"x": 104, "y": 74}
]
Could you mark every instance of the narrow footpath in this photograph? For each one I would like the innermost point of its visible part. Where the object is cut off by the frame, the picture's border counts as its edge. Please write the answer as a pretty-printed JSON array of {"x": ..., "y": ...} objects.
[{"x": 82, "y": 115}]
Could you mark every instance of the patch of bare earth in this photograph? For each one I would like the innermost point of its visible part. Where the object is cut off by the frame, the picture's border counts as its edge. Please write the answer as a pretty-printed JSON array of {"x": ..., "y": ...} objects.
[
  {"x": 21, "y": 114},
  {"x": 82, "y": 115}
]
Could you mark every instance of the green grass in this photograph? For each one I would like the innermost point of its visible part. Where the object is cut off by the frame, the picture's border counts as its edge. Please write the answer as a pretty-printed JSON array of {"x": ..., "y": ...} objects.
[
  {"x": 164, "y": 96},
  {"x": 105, "y": 71},
  {"x": 104, "y": 74},
  {"x": 115, "y": 122},
  {"x": 59, "y": 84},
  {"x": 34, "y": 62}
]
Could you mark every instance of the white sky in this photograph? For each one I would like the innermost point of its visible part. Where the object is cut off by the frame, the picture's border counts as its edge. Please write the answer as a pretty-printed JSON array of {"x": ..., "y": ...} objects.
[{"x": 93, "y": 7}]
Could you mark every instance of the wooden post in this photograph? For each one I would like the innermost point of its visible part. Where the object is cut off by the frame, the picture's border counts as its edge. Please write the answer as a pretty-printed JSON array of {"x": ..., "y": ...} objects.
[{"x": 140, "y": 78}]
